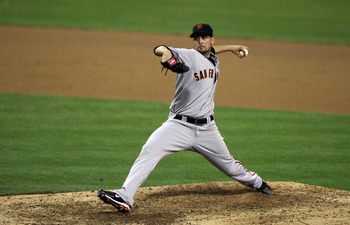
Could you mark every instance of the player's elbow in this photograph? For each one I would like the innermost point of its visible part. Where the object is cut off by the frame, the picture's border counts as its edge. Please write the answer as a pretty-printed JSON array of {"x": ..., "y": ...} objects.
[{"x": 160, "y": 50}]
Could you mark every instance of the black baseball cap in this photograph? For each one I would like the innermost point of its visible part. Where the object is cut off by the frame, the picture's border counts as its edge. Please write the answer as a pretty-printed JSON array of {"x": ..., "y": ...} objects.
[{"x": 202, "y": 28}]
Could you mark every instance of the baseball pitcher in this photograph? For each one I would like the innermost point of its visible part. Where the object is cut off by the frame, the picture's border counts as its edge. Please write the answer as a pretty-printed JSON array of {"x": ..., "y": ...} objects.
[{"x": 190, "y": 125}]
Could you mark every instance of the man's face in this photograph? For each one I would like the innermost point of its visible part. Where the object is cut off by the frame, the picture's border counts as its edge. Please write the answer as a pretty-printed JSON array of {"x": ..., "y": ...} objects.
[{"x": 203, "y": 44}]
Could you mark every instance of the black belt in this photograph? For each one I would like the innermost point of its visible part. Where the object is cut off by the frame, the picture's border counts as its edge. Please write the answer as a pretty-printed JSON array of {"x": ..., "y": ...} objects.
[{"x": 196, "y": 121}]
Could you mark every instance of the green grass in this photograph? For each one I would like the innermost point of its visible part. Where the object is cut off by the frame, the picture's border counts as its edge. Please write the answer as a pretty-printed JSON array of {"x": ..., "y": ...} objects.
[
  {"x": 62, "y": 144},
  {"x": 51, "y": 144},
  {"x": 320, "y": 21}
]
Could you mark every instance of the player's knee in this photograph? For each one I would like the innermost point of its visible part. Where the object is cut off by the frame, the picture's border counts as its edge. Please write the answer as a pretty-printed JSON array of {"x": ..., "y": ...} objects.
[
  {"x": 149, "y": 149},
  {"x": 232, "y": 168},
  {"x": 153, "y": 151}
]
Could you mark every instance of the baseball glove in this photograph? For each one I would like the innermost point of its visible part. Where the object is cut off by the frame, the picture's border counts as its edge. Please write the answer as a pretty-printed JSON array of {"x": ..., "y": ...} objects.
[{"x": 175, "y": 65}]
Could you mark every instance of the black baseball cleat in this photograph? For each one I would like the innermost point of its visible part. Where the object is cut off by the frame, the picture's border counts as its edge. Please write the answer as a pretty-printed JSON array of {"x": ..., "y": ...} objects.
[
  {"x": 113, "y": 198},
  {"x": 265, "y": 189}
]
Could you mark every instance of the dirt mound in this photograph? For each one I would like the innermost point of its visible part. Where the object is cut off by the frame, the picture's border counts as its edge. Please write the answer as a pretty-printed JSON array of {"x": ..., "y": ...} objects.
[{"x": 204, "y": 203}]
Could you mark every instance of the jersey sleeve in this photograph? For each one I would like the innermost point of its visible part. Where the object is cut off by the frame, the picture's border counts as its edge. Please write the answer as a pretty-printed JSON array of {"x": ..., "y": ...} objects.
[{"x": 185, "y": 56}]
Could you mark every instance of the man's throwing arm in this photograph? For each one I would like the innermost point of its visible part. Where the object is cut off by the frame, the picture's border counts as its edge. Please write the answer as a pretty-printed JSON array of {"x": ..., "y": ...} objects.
[{"x": 235, "y": 49}]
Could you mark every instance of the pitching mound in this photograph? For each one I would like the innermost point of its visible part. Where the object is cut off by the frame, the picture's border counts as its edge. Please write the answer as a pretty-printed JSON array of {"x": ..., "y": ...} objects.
[{"x": 204, "y": 203}]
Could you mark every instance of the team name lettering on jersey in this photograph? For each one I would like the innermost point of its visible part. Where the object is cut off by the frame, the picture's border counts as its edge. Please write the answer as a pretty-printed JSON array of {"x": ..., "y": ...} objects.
[{"x": 204, "y": 74}]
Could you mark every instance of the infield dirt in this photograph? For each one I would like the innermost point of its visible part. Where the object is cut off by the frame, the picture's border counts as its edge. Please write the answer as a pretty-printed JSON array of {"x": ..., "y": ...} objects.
[{"x": 118, "y": 65}]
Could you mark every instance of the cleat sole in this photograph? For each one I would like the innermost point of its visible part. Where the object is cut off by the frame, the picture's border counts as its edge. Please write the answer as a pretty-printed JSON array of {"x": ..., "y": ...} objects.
[{"x": 120, "y": 207}]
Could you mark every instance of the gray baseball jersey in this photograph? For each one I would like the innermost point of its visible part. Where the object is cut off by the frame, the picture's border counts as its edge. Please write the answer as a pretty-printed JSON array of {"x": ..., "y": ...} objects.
[{"x": 195, "y": 89}]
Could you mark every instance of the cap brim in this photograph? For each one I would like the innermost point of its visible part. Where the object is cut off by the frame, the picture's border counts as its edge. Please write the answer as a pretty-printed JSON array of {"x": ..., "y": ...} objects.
[{"x": 199, "y": 33}]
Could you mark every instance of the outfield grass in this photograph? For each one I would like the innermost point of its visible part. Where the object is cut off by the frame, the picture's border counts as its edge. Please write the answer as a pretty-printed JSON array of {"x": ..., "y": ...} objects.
[
  {"x": 58, "y": 144},
  {"x": 320, "y": 21},
  {"x": 61, "y": 144}
]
